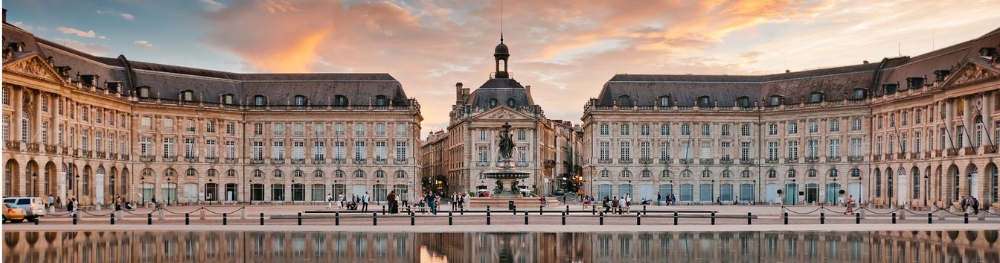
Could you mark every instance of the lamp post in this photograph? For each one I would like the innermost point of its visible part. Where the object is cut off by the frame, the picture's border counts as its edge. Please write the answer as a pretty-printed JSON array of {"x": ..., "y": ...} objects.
[
  {"x": 251, "y": 191},
  {"x": 713, "y": 190},
  {"x": 210, "y": 194},
  {"x": 34, "y": 184},
  {"x": 76, "y": 188},
  {"x": 168, "y": 190},
  {"x": 753, "y": 199},
  {"x": 927, "y": 188}
]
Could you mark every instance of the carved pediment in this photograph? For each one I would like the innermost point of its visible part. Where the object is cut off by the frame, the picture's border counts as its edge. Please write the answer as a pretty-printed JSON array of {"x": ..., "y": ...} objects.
[
  {"x": 971, "y": 72},
  {"x": 502, "y": 113},
  {"x": 33, "y": 66}
]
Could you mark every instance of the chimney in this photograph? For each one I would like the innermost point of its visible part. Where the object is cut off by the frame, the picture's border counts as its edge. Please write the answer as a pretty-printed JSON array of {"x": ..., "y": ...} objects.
[
  {"x": 866, "y": 62},
  {"x": 528, "y": 88},
  {"x": 5, "y": 15},
  {"x": 465, "y": 94},
  {"x": 458, "y": 93}
]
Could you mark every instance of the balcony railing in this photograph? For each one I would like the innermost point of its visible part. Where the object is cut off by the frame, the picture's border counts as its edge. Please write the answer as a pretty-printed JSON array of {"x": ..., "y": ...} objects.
[
  {"x": 113, "y": 156},
  {"x": 400, "y": 161},
  {"x": 360, "y": 161},
  {"x": 771, "y": 160},
  {"x": 88, "y": 154},
  {"x": 102, "y": 155},
  {"x": 686, "y": 161},
  {"x": 855, "y": 159},
  {"x": 51, "y": 148},
  {"x": 876, "y": 158},
  {"x": 381, "y": 161},
  {"x": 901, "y": 156},
  {"x": 747, "y": 161},
  {"x": 277, "y": 160},
  {"x": 928, "y": 155},
  {"x": 298, "y": 160},
  {"x": 125, "y": 157},
  {"x": 970, "y": 150},
  {"x": 887, "y": 156},
  {"x": 667, "y": 160},
  {"x": 147, "y": 158},
  {"x": 191, "y": 159},
  {"x": 725, "y": 160},
  {"x": 256, "y": 161},
  {"x": 34, "y": 147},
  {"x": 13, "y": 145},
  {"x": 646, "y": 160},
  {"x": 319, "y": 160},
  {"x": 235, "y": 160},
  {"x": 833, "y": 159},
  {"x": 624, "y": 160},
  {"x": 812, "y": 159},
  {"x": 791, "y": 159},
  {"x": 212, "y": 159},
  {"x": 952, "y": 152},
  {"x": 169, "y": 158},
  {"x": 338, "y": 161},
  {"x": 604, "y": 161},
  {"x": 914, "y": 155},
  {"x": 482, "y": 164},
  {"x": 990, "y": 149},
  {"x": 706, "y": 161}
]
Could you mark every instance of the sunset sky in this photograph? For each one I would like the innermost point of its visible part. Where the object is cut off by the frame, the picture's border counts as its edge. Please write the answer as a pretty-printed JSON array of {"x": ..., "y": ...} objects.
[{"x": 566, "y": 50}]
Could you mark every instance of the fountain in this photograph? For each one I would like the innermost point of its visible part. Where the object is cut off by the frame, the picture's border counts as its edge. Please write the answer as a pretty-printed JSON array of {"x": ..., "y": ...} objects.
[{"x": 506, "y": 163}]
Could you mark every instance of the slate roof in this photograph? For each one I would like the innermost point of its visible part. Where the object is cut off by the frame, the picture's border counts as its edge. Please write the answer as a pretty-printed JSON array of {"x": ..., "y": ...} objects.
[
  {"x": 168, "y": 81},
  {"x": 500, "y": 89},
  {"x": 948, "y": 58}
]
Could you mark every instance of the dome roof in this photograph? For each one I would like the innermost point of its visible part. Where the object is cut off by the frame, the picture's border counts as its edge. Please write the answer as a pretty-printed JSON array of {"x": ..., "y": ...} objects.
[{"x": 501, "y": 49}]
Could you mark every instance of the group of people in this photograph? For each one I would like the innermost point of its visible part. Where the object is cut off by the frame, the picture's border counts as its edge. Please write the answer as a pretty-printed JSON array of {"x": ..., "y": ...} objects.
[
  {"x": 351, "y": 204},
  {"x": 670, "y": 200},
  {"x": 458, "y": 200},
  {"x": 970, "y": 202},
  {"x": 616, "y": 205}
]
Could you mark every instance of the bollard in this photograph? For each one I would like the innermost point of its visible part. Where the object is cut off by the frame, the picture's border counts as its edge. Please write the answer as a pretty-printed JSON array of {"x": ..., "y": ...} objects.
[
  {"x": 187, "y": 219},
  {"x": 112, "y": 219},
  {"x": 894, "y": 218},
  {"x": 567, "y": 209},
  {"x": 857, "y": 218},
  {"x": 643, "y": 209},
  {"x": 262, "y": 219},
  {"x": 930, "y": 218},
  {"x": 564, "y": 218},
  {"x": 749, "y": 218},
  {"x": 149, "y": 219},
  {"x": 675, "y": 218},
  {"x": 225, "y": 218},
  {"x": 713, "y": 217},
  {"x": 374, "y": 219},
  {"x": 602, "y": 218},
  {"x": 786, "y": 218},
  {"x": 461, "y": 211},
  {"x": 540, "y": 210},
  {"x": 449, "y": 218},
  {"x": 336, "y": 218},
  {"x": 966, "y": 218},
  {"x": 487, "y": 215},
  {"x": 40, "y": 219},
  {"x": 413, "y": 221},
  {"x": 383, "y": 209},
  {"x": 525, "y": 217},
  {"x": 638, "y": 218},
  {"x": 74, "y": 218},
  {"x": 822, "y": 218},
  {"x": 593, "y": 210},
  {"x": 300, "y": 218}
]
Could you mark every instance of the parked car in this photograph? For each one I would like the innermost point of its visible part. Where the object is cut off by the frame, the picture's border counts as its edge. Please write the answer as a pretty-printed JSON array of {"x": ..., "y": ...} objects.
[
  {"x": 560, "y": 192},
  {"x": 34, "y": 207},
  {"x": 12, "y": 213}
]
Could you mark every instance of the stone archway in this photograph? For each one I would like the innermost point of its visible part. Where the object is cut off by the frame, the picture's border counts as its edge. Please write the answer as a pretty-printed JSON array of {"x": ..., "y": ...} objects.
[
  {"x": 973, "y": 177},
  {"x": 952, "y": 186},
  {"x": 31, "y": 179},
  {"x": 11, "y": 170},
  {"x": 992, "y": 175},
  {"x": 51, "y": 177}
]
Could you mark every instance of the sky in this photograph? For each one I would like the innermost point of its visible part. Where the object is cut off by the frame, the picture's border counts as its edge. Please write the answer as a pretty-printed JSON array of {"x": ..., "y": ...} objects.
[{"x": 565, "y": 50}]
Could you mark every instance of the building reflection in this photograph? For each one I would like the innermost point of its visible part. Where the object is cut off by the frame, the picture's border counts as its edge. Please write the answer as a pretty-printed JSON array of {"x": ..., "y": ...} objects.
[{"x": 126, "y": 246}]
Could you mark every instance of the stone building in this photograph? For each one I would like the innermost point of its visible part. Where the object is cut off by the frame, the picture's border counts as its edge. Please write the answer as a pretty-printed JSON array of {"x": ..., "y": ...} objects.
[
  {"x": 78, "y": 125},
  {"x": 804, "y": 137}
]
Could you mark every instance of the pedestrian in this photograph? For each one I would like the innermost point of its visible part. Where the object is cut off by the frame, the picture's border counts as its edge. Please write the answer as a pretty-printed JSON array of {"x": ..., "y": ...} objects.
[
  {"x": 364, "y": 202},
  {"x": 329, "y": 201},
  {"x": 461, "y": 201},
  {"x": 340, "y": 201},
  {"x": 850, "y": 205},
  {"x": 606, "y": 204},
  {"x": 58, "y": 201},
  {"x": 151, "y": 200},
  {"x": 431, "y": 202},
  {"x": 975, "y": 205},
  {"x": 673, "y": 199},
  {"x": 69, "y": 207},
  {"x": 391, "y": 198},
  {"x": 52, "y": 201},
  {"x": 658, "y": 198},
  {"x": 586, "y": 201}
]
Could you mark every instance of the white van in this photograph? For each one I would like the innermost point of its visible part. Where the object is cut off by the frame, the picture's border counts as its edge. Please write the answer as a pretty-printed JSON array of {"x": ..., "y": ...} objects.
[{"x": 34, "y": 207}]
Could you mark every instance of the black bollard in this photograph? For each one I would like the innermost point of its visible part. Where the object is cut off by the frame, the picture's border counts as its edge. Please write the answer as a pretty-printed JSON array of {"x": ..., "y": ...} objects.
[
  {"x": 857, "y": 218},
  {"x": 930, "y": 218},
  {"x": 187, "y": 219},
  {"x": 525, "y": 217},
  {"x": 461, "y": 211},
  {"x": 112, "y": 219},
  {"x": 225, "y": 219},
  {"x": 262, "y": 219},
  {"x": 602, "y": 218},
  {"x": 336, "y": 218},
  {"x": 713, "y": 217},
  {"x": 40, "y": 219},
  {"x": 564, "y": 218},
  {"x": 74, "y": 219},
  {"x": 383, "y": 209},
  {"x": 893, "y": 217},
  {"x": 449, "y": 218},
  {"x": 567, "y": 209},
  {"x": 638, "y": 219},
  {"x": 675, "y": 218},
  {"x": 786, "y": 218},
  {"x": 413, "y": 221},
  {"x": 593, "y": 211},
  {"x": 300, "y": 218},
  {"x": 149, "y": 219},
  {"x": 540, "y": 210},
  {"x": 643, "y": 209},
  {"x": 749, "y": 218},
  {"x": 374, "y": 219},
  {"x": 487, "y": 215},
  {"x": 966, "y": 218},
  {"x": 822, "y": 218}
]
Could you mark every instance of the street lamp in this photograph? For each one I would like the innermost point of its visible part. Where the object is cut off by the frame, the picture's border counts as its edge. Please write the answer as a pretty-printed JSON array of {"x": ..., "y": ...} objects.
[
  {"x": 34, "y": 184},
  {"x": 168, "y": 190}
]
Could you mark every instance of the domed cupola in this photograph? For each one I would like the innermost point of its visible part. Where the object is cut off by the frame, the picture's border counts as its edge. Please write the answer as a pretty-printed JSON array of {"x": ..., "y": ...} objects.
[{"x": 501, "y": 53}]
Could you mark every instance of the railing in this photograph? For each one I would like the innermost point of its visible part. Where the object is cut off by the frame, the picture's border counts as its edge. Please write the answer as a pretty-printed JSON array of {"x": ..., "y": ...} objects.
[
  {"x": 746, "y": 161},
  {"x": 147, "y": 158},
  {"x": 360, "y": 161},
  {"x": 277, "y": 160},
  {"x": 927, "y": 155},
  {"x": 338, "y": 161},
  {"x": 125, "y": 157},
  {"x": 624, "y": 160},
  {"x": 102, "y": 155},
  {"x": 901, "y": 156},
  {"x": 381, "y": 161},
  {"x": 952, "y": 152},
  {"x": 34, "y": 147},
  {"x": 706, "y": 161},
  {"x": 686, "y": 161},
  {"x": 887, "y": 157},
  {"x": 812, "y": 159},
  {"x": 876, "y": 158},
  {"x": 914, "y": 155},
  {"x": 855, "y": 159},
  {"x": 16, "y": 145},
  {"x": 114, "y": 156},
  {"x": 521, "y": 164},
  {"x": 256, "y": 161},
  {"x": 88, "y": 154},
  {"x": 791, "y": 159},
  {"x": 604, "y": 161},
  {"x": 833, "y": 159},
  {"x": 212, "y": 159},
  {"x": 482, "y": 164},
  {"x": 646, "y": 160},
  {"x": 970, "y": 150},
  {"x": 725, "y": 160},
  {"x": 667, "y": 160},
  {"x": 319, "y": 160},
  {"x": 235, "y": 160},
  {"x": 170, "y": 159},
  {"x": 191, "y": 159},
  {"x": 771, "y": 160},
  {"x": 990, "y": 149},
  {"x": 298, "y": 160},
  {"x": 400, "y": 161},
  {"x": 76, "y": 152}
]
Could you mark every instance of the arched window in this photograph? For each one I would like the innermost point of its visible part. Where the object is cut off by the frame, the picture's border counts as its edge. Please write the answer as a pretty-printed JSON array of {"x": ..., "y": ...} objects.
[
  {"x": 147, "y": 172},
  {"x": 298, "y": 173},
  {"x": 143, "y": 92},
  {"x": 772, "y": 174},
  {"x": 232, "y": 173},
  {"x": 381, "y": 100},
  {"x": 860, "y": 93},
  {"x": 318, "y": 173},
  {"x": 511, "y": 103},
  {"x": 400, "y": 174},
  {"x": 665, "y": 174},
  {"x": 212, "y": 172},
  {"x": 277, "y": 173},
  {"x": 686, "y": 173},
  {"x": 811, "y": 173},
  {"x": 605, "y": 173},
  {"x": 170, "y": 172},
  {"x": 834, "y": 172},
  {"x": 624, "y": 101},
  {"x": 746, "y": 174},
  {"x": 626, "y": 174},
  {"x": 665, "y": 101},
  {"x": 743, "y": 102},
  {"x": 359, "y": 174},
  {"x": 855, "y": 172},
  {"x": 259, "y": 100},
  {"x": 379, "y": 174},
  {"x": 227, "y": 99},
  {"x": 187, "y": 95},
  {"x": 646, "y": 174},
  {"x": 776, "y": 100},
  {"x": 258, "y": 173},
  {"x": 727, "y": 174},
  {"x": 340, "y": 100},
  {"x": 300, "y": 100},
  {"x": 338, "y": 173},
  {"x": 191, "y": 172},
  {"x": 791, "y": 173}
]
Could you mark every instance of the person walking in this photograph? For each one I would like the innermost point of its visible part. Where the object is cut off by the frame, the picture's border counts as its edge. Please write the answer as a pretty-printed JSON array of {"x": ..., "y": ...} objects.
[
  {"x": 850, "y": 205},
  {"x": 364, "y": 202},
  {"x": 658, "y": 196},
  {"x": 329, "y": 201},
  {"x": 391, "y": 198},
  {"x": 431, "y": 198},
  {"x": 975, "y": 205},
  {"x": 340, "y": 201}
]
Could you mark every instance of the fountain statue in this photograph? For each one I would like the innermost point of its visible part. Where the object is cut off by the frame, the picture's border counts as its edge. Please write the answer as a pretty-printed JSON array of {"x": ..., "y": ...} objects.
[{"x": 506, "y": 163}]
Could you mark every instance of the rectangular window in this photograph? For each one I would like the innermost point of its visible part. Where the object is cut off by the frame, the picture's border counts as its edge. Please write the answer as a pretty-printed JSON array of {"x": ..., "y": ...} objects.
[
  {"x": 904, "y": 117},
  {"x": 772, "y": 129},
  {"x": 278, "y": 150},
  {"x": 725, "y": 130},
  {"x": 665, "y": 150},
  {"x": 772, "y": 150},
  {"x": 360, "y": 152},
  {"x": 380, "y": 129},
  {"x": 319, "y": 130},
  {"x": 834, "y": 148},
  {"x": 856, "y": 124},
  {"x": 168, "y": 148},
  {"x": 484, "y": 154},
  {"x": 644, "y": 129},
  {"x": 665, "y": 129},
  {"x": 813, "y": 127},
  {"x": 279, "y": 129},
  {"x": 299, "y": 129},
  {"x": 625, "y": 129},
  {"x": 359, "y": 130},
  {"x": 339, "y": 130},
  {"x": 145, "y": 146},
  {"x": 625, "y": 150},
  {"x": 231, "y": 149},
  {"x": 124, "y": 144},
  {"x": 522, "y": 154},
  {"x": 902, "y": 143},
  {"x": 644, "y": 149},
  {"x": 522, "y": 135},
  {"x": 98, "y": 142},
  {"x": 726, "y": 152},
  {"x": 258, "y": 129},
  {"x": 706, "y": 150},
  {"x": 319, "y": 151},
  {"x": 401, "y": 151},
  {"x": 878, "y": 145},
  {"x": 916, "y": 142},
  {"x": 604, "y": 129},
  {"x": 210, "y": 148},
  {"x": 6, "y": 124},
  {"x": 855, "y": 147},
  {"x": 706, "y": 129},
  {"x": 605, "y": 150},
  {"x": 299, "y": 150},
  {"x": 812, "y": 147},
  {"x": 686, "y": 150},
  {"x": 258, "y": 150},
  {"x": 834, "y": 125},
  {"x": 745, "y": 130},
  {"x": 400, "y": 129},
  {"x": 338, "y": 150},
  {"x": 793, "y": 128},
  {"x": 482, "y": 135},
  {"x": 380, "y": 153},
  {"x": 190, "y": 126},
  {"x": 793, "y": 149},
  {"x": 145, "y": 123},
  {"x": 959, "y": 132},
  {"x": 210, "y": 126},
  {"x": 745, "y": 150},
  {"x": 685, "y": 129},
  {"x": 188, "y": 147}
]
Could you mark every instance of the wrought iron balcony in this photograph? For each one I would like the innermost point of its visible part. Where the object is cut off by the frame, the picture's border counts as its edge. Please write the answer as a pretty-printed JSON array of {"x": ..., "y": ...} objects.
[
  {"x": 234, "y": 160},
  {"x": 855, "y": 159},
  {"x": 747, "y": 161},
  {"x": 624, "y": 160},
  {"x": 400, "y": 161},
  {"x": 360, "y": 161},
  {"x": 706, "y": 161},
  {"x": 667, "y": 160},
  {"x": 380, "y": 160},
  {"x": 521, "y": 164},
  {"x": 191, "y": 159},
  {"x": 338, "y": 161},
  {"x": 990, "y": 149},
  {"x": 277, "y": 160},
  {"x": 51, "y": 148},
  {"x": 13, "y": 145},
  {"x": 482, "y": 164},
  {"x": 114, "y": 156},
  {"x": 928, "y": 155},
  {"x": 771, "y": 160},
  {"x": 970, "y": 150},
  {"x": 914, "y": 155},
  {"x": 812, "y": 159},
  {"x": 686, "y": 161},
  {"x": 212, "y": 159},
  {"x": 646, "y": 160},
  {"x": 125, "y": 157},
  {"x": 102, "y": 155},
  {"x": 34, "y": 147},
  {"x": 726, "y": 160},
  {"x": 319, "y": 160},
  {"x": 298, "y": 160},
  {"x": 256, "y": 161},
  {"x": 833, "y": 159},
  {"x": 604, "y": 161},
  {"x": 147, "y": 158},
  {"x": 169, "y": 158},
  {"x": 901, "y": 156},
  {"x": 791, "y": 159},
  {"x": 88, "y": 154},
  {"x": 952, "y": 152}
]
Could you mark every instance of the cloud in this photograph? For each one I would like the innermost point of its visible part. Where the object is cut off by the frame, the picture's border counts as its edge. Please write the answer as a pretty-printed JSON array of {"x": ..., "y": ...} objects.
[
  {"x": 77, "y": 32},
  {"x": 143, "y": 44},
  {"x": 93, "y": 49},
  {"x": 125, "y": 16},
  {"x": 211, "y": 5},
  {"x": 24, "y": 26},
  {"x": 560, "y": 46}
]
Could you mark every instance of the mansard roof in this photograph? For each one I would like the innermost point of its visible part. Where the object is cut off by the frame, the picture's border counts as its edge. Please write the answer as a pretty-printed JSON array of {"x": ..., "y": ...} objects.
[
  {"x": 925, "y": 65},
  {"x": 501, "y": 90}
]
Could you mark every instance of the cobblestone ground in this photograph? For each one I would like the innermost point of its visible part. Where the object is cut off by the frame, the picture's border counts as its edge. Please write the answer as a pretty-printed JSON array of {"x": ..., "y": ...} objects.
[{"x": 655, "y": 215}]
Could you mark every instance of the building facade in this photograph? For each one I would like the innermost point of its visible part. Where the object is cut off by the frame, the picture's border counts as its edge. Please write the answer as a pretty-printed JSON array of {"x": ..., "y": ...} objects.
[
  {"x": 816, "y": 136},
  {"x": 77, "y": 125}
]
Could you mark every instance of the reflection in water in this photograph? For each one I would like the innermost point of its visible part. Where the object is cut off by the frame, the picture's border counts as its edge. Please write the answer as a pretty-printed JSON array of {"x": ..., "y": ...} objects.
[{"x": 127, "y": 246}]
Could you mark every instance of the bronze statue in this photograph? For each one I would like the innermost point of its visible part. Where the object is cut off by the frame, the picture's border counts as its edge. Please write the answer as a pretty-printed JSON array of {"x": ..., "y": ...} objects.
[{"x": 506, "y": 143}]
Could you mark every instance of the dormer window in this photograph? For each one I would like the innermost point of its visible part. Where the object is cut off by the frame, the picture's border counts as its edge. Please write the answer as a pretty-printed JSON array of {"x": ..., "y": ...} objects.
[
  {"x": 493, "y": 103},
  {"x": 665, "y": 101},
  {"x": 624, "y": 101},
  {"x": 381, "y": 101},
  {"x": 743, "y": 102},
  {"x": 340, "y": 100},
  {"x": 890, "y": 88},
  {"x": 300, "y": 100},
  {"x": 227, "y": 99},
  {"x": 144, "y": 92},
  {"x": 816, "y": 97},
  {"x": 259, "y": 100},
  {"x": 776, "y": 100},
  {"x": 859, "y": 93},
  {"x": 187, "y": 95},
  {"x": 703, "y": 101},
  {"x": 914, "y": 82},
  {"x": 511, "y": 102}
]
